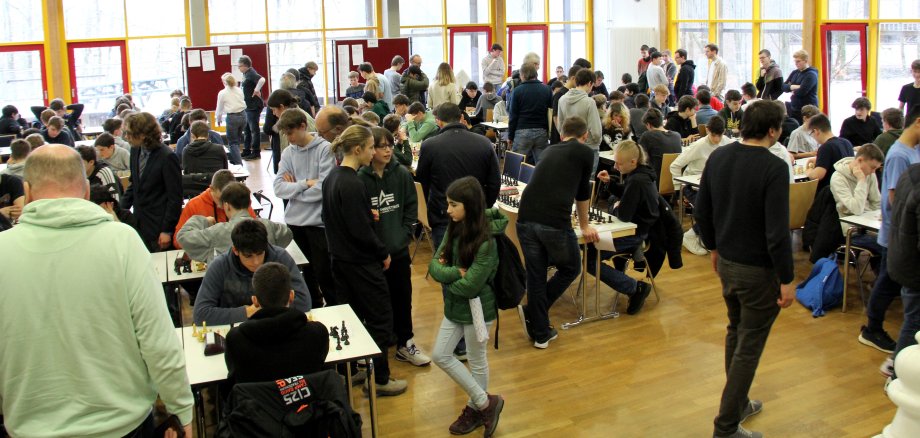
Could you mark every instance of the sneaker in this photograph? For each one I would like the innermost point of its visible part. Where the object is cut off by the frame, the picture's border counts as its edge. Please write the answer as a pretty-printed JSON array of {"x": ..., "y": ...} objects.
[
  {"x": 744, "y": 433},
  {"x": 522, "y": 314},
  {"x": 391, "y": 388},
  {"x": 467, "y": 422},
  {"x": 693, "y": 244},
  {"x": 410, "y": 353},
  {"x": 878, "y": 340},
  {"x": 887, "y": 368},
  {"x": 253, "y": 156},
  {"x": 637, "y": 299},
  {"x": 753, "y": 408},
  {"x": 356, "y": 378},
  {"x": 553, "y": 334},
  {"x": 490, "y": 414}
]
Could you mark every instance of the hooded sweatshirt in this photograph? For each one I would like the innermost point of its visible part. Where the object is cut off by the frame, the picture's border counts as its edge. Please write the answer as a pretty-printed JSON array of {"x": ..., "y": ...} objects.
[
  {"x": 14, "y": 169},
  {"x": 202, "y": 156},
  {"x": 273, "y": 344},
  {"x": 476, "y": 282},
  {"x": 693, "y": 158},
  {"x": 887, "y": 138},
  {"x": 107, "y": 345},
  {"x": 486, "y": 102},
  {"x": 396, "y": 202},
  {"x": 807, "y": 94},
  {"x": 202, "y": 205},
  {"x": 227, "y": 288},
  {"x": 313, "y": 161},
  {"x": 770, "y": 85},
  {"x": 683, "y": 83},
  {"x": 577, "y": 103},
  {"x": 639, "y": 203},
  {"x": 853, "y": 196},
  {"x": 203, "y": 242}
]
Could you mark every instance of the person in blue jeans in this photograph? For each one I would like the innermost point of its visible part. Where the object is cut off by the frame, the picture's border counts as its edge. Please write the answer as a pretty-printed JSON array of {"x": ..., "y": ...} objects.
[
  {"x": 527, "y": 121},
  {"x": 544, "y": 226},
  {"x": 230, "y": 101},
  {"x": 252, "y": 93}
]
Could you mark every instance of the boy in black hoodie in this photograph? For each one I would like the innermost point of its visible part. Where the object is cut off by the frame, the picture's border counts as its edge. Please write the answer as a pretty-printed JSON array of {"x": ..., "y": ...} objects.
[
  {"x": 202, "y": 156},
  {"x": 639, "y": 205},
  {"x": 277, "y": 341},
  {"x": 683, "y": 84},
  {"x": 683, "y": 118}
]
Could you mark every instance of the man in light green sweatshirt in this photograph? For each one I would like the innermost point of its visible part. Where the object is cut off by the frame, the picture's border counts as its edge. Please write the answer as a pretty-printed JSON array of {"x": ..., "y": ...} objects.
[{"x": 87, "y": 341}]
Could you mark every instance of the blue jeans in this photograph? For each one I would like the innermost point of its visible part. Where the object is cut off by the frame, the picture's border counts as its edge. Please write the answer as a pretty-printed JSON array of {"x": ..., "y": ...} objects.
[
  {"x": 884, "y": 292},
  {"x": 911, "y": 300},
  {"x": 251, "y": 135},
  {"x": 474, "y": 381},
  {"x": 530, "y": 142},
  {"x": 235, "y": 124},
  {"x": 615, "y": 277},
  {"x": 543, "y": 247},
  {"x": 597, "y": 158}
]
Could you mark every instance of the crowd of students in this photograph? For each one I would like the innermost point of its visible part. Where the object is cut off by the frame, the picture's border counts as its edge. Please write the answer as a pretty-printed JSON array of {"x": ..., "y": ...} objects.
[{"x": 344, "y": 175}]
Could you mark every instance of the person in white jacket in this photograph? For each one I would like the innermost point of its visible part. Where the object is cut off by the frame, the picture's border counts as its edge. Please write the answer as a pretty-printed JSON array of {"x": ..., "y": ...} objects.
[
  {"x": 691, "y": 162},
  {"x": 717, "y": 71},
  {"x": 856, "y": 191},
  {"x": 444, "y": 87},
  {"x": 493, "y": 66}
]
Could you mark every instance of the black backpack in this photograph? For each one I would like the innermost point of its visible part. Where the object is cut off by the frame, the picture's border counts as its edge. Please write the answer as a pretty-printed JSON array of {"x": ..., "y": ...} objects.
[{"x": 510, "y": 282}]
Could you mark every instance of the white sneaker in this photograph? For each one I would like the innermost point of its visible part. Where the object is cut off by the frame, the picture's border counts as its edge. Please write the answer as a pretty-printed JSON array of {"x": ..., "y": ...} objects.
[
  {"x": 410, "y": 353},
  {"x": 693, "y": 244},
  {"x": 887, "y": 368}
]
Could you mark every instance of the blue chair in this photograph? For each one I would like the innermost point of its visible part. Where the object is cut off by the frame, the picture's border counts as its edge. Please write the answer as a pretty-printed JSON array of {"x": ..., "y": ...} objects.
[
  {"x": 512, "y": 167},
  {"x": 526, "y": 173}
]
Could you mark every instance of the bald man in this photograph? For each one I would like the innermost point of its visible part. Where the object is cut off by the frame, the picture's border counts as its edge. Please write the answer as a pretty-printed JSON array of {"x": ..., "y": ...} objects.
[
  {"x": 330, "y": 122},
  {"x": 94, "y": 368}
]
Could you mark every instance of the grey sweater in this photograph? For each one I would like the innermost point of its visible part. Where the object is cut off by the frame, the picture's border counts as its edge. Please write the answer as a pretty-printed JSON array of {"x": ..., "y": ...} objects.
[
  {"x": 204, "y": 243},
  {"x": 577, "y": 103}
]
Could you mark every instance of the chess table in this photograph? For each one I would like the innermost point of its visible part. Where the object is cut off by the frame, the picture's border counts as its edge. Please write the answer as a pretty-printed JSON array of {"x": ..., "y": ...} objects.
[{"x": 869, "y": 220}]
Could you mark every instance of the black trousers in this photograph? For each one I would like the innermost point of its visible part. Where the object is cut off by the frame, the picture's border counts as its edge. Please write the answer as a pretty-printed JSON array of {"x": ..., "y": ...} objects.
[
  {"x": 364, "y": 287},
  {"x": 318, "y": 274},
  {"x": 750, "y": 294},
  {"x": 145, "y": 430},
  {"x": 399, "y": 282}
]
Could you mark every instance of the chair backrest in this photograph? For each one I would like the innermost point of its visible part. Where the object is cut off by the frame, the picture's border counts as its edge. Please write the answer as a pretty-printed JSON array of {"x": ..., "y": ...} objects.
[
  {"x": 513, "y": 161},
  {"x": 6, "y": 140},
  {"x": 489, "y": 115},
  {"x": 511, "y": 229},
  {"x": 261, "y": 199},
  {"x": 526, "y": 173},
  {"x": 703, "y": 129},
  {"x": 422, "y": 206},
  {"x": 665, "y": 179},
  {"x": 801, "y": 196}
]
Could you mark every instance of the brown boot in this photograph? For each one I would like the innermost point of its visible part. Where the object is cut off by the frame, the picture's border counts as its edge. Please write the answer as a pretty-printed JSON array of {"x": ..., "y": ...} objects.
[
  {"x": 490, "y": 414},
  {"x": 468, "y": 421}
]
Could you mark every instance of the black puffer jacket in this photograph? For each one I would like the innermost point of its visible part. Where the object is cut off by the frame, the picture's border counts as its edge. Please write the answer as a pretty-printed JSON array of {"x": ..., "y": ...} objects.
[
  {"x": 306, "y": 84},
  {"x": 665, "y": 238},
  {"x": 822, "y": 226},
  {"x": 639, "y": 203},
  {"x": 903, "y": 249}
]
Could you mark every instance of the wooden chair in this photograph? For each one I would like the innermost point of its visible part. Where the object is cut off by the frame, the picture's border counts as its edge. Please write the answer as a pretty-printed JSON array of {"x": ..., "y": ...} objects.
[
  {"x": 526, "y": 172},
  {"x": 665, "y": 179},
  {"x": 801, "y": 196},
  {"x": 264, "y": 201},
  {"x": 629, "y": 261},
  {"x": 422, "y": 221},
  {"x": 488, "y": 115},
  {"x": 512, "y": 167},
  {"x": 511, "y": 229}
]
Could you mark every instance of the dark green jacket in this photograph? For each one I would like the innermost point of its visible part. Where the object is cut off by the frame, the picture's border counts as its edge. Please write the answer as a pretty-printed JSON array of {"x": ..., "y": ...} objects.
[
  {"x": 478, "y": 277},
  {"x": 381, "y": 109},
  {"x": 403, "y": 153},
  {"x": 887, "y": 138},
  {"x": 394, "y": 198}
]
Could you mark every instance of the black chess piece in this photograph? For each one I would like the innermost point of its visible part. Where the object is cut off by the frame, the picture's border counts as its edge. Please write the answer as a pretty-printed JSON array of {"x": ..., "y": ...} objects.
[
  {"x": 338, "y": 343},
  {"x": 334, "y": 332}
]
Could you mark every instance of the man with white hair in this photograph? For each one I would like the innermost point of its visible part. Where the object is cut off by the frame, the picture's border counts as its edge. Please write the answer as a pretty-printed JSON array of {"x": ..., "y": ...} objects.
[{"x": 110, "y": 348}]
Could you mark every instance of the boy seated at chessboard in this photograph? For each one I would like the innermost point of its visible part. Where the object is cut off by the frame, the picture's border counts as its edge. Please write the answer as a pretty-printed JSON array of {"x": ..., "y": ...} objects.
[
  {"x": 226, "y": 291},
  {"x": 277, "y": 341},
  {"x": 203, "y": 238}
]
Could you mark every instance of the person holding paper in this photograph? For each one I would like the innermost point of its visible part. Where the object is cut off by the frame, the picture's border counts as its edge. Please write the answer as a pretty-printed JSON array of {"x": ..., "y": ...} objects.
[
  {"x": 252, "y": 93},
  {"x": 466, "y": 263}
]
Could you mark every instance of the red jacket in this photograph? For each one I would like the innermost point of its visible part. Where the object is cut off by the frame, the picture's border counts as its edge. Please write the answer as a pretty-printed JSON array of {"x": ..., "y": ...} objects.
[{"x": 202, "y": 205}]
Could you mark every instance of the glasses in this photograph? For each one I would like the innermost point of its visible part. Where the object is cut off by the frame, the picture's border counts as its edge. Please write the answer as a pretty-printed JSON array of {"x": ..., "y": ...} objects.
[{"x": 384, "y": 146}]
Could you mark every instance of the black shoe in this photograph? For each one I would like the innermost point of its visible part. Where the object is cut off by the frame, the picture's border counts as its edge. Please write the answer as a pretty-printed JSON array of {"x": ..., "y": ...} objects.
[
  {"x": 544, "y": 344},
  {"x": 637, "y": 299},
  {"x": 254, "y": 156},
  {"x": 877, "y": 339}
]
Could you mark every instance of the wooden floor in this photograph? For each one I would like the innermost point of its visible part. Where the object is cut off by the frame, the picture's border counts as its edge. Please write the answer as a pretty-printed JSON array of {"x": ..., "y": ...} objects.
[{"x": 656, "y": 374}]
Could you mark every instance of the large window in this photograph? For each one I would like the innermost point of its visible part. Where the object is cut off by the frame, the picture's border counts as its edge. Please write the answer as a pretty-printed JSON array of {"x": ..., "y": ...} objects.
[
  {"x": 899, "y": 45},
  {"x": 299, "y": 31},
  {"x": 565, "y": 22},
  {"x": 22, "y": 65}
]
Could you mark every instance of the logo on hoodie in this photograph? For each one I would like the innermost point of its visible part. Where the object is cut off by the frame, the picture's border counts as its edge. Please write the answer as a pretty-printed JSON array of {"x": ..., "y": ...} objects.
[{"x": 384, "y": 202}]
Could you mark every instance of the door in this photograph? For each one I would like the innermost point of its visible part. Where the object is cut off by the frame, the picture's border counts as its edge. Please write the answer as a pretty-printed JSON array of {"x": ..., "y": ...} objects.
[
  {"x": 468, "y": 45},
  {"x": 843, "y": 56},
  {"x": 525, "y": 39},
  {"x": 24, "y": 83},
  {"x": 98, "y": 75}
]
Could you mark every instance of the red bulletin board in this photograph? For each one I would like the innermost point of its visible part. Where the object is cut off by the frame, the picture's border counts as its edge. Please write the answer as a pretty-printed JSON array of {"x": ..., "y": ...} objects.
[
  {"x": 202, "y": 86},
  {"x": 377, "y": 51}
]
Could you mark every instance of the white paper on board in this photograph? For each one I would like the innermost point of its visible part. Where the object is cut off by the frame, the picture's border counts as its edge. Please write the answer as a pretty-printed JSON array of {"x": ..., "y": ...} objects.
[
  {"x": 207, "y": 60},
  {"x": 194, "y": 58},
  {"x": 372, "y": 43},
  {"x": 234, "y": 59},
  {"x": 357, "y": 54},
  {"x": 223, "y": 50},
  {"x": 344, "y": 66}
]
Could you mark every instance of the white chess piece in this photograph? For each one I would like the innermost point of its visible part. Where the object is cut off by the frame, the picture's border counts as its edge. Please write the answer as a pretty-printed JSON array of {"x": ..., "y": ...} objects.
[{"x": 905, "y": 393}]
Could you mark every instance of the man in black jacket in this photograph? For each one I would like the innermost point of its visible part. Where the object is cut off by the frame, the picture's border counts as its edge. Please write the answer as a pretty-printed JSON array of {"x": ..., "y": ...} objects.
[
  {"x": 453, "y": 154},
  {"x": 202, "y": 156},
  {"x": 306, "y": 84},
  {"x": 252, "y": 94},
  {"x": 683, "y": 84},
  {"x": 277, "y": 341},
  {"x": 747, "y": 231}
]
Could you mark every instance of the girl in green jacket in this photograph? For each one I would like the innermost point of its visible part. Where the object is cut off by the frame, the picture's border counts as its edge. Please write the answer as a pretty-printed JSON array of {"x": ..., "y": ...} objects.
[{"x": 465, "y": 264}]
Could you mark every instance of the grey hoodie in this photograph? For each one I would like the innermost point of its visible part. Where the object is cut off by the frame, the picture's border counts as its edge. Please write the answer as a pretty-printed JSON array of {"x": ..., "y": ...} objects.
[
  {"x": 486, "y": 103},
  {"x": 204, "y": 243},
  {"x": 577, "y": 103},
  {"x": 851, "y": 195}
]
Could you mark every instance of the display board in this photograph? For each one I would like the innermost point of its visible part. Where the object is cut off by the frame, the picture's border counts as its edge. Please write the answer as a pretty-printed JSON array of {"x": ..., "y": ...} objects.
[
  {"x": 204, "y": 65},
  {"x": 348, "y": 54}
]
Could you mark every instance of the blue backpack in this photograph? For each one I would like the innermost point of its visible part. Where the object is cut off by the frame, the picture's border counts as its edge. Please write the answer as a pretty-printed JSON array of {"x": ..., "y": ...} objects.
[{"x": 823, "y": 289}]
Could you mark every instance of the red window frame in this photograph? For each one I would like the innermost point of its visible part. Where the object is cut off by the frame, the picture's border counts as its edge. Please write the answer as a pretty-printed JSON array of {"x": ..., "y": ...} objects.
[
  {"x": 826, "y": 29},
  {"x": 74, "y": 95},
  {"x": 41, "y": 54}
]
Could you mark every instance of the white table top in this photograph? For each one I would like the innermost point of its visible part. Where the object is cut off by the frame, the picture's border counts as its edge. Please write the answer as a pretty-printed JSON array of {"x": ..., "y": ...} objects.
[
  {"x": 170, "y": 256},
  {"x": 6, "y": 151},
  {"x": 84, "y": 143},
  {"x": 203, "y": 369},
  {"x": 617, "y": 226},
  {"x": 160, "y": 265},
  {"x": 239, "y": 171},
  {"x": 871, "y": 220},
  {"x": 690, "y": 180},
  {"x": 496, "y": 125},
  {"x": 606, "y": 155}
]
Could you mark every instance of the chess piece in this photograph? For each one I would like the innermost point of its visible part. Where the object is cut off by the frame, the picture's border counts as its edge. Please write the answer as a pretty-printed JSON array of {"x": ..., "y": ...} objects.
[
  {"x": 334, "y": 332},
  {"x": 345, "y": 334},
  {"x": 338, "y": 343},
  {"x": 904, "y": 392},
  {"x": 194, "y": 330}
]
